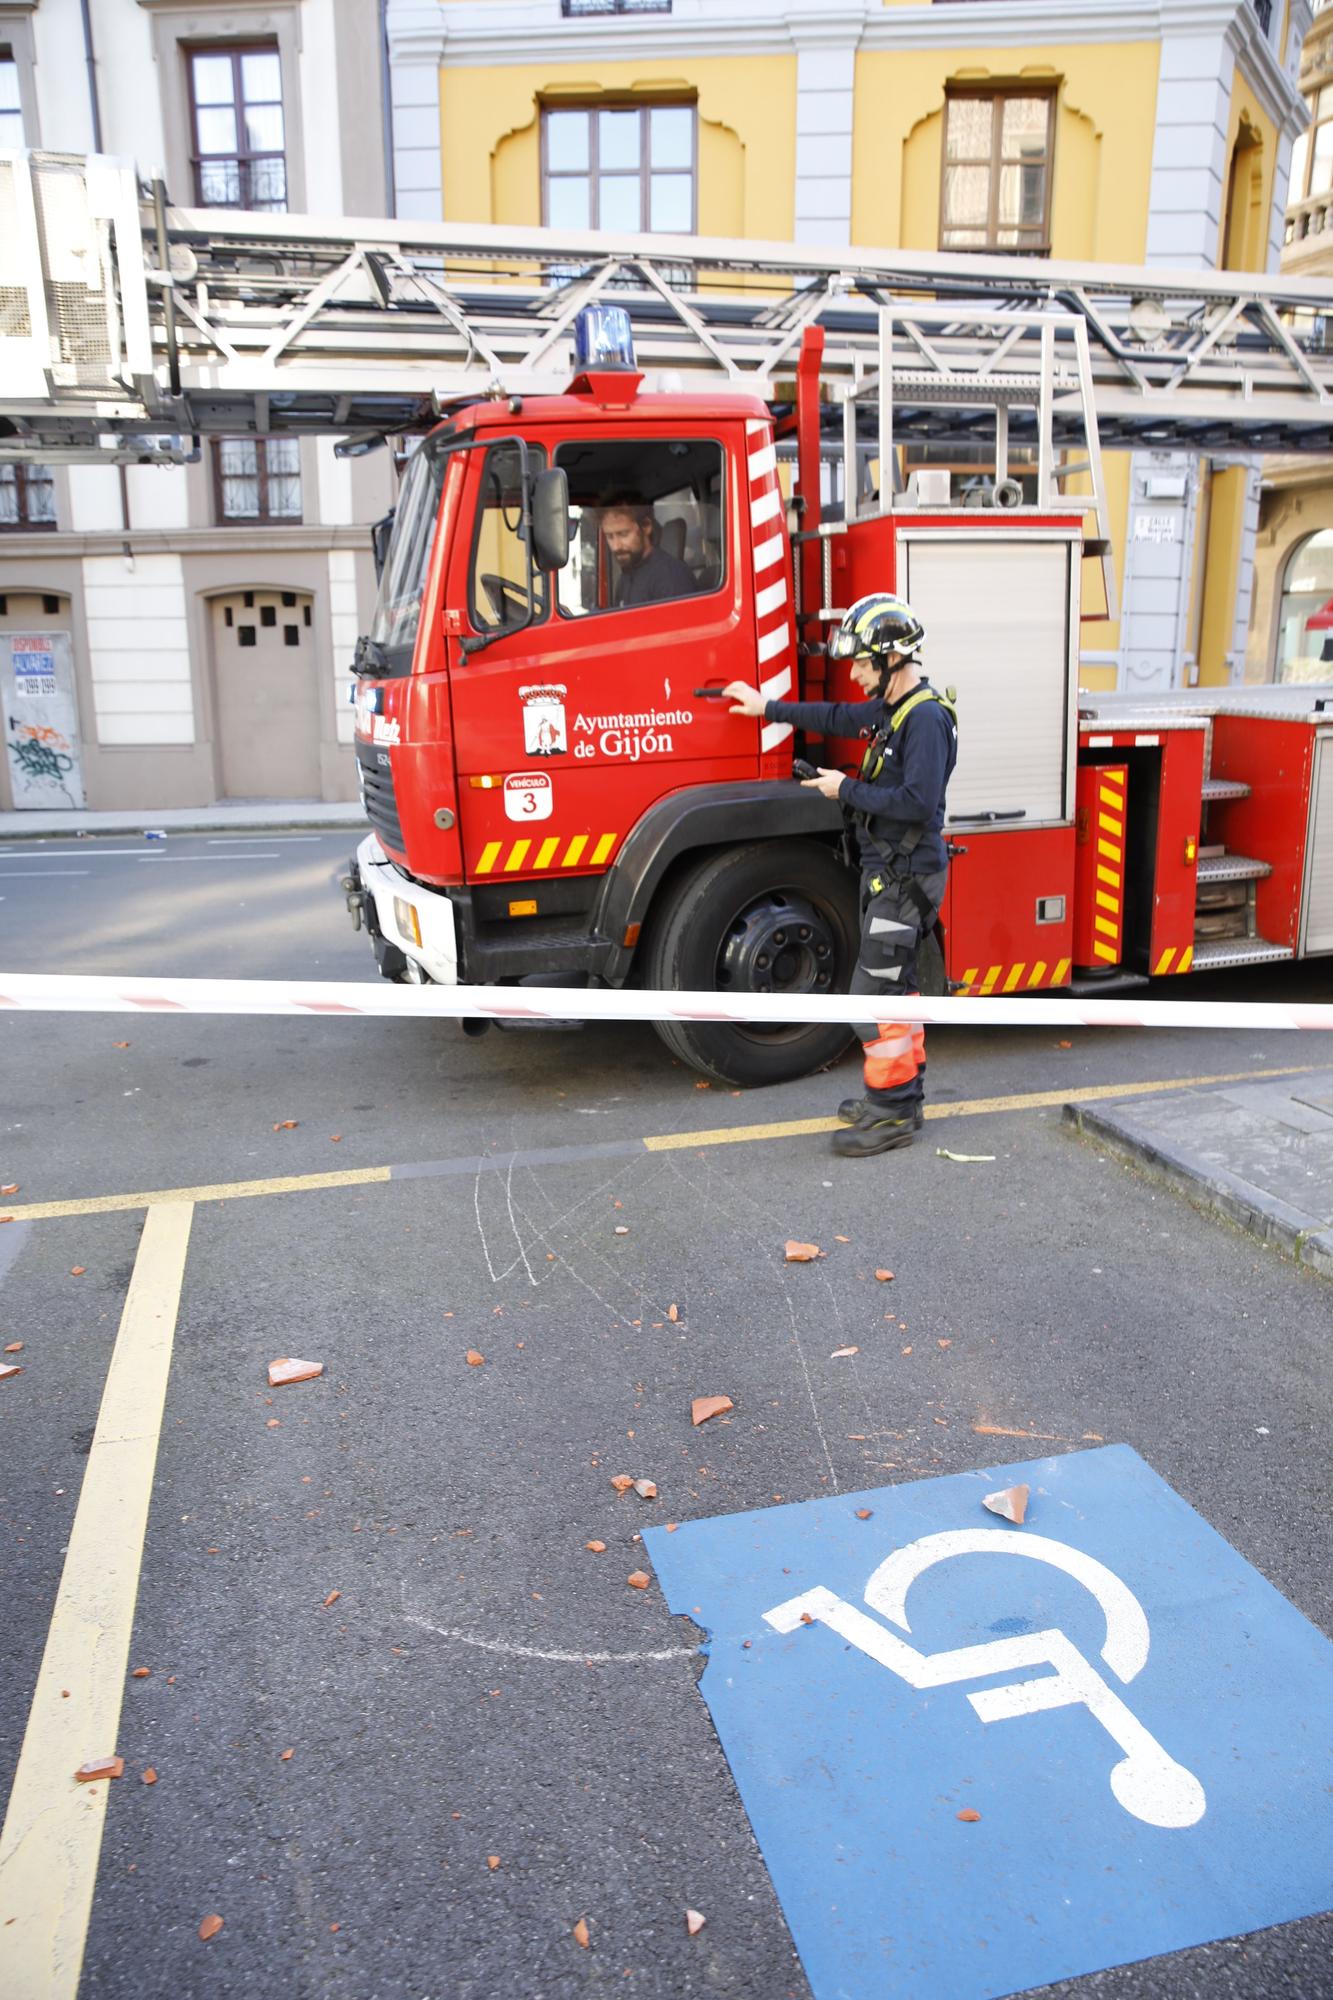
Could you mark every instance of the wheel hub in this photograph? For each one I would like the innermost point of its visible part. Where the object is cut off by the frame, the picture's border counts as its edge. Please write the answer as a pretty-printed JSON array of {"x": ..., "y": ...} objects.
[{"x": 780, "y": 944}]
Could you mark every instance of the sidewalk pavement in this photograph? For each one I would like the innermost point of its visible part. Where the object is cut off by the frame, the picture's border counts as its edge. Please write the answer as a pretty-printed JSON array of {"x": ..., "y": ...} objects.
[
  {"x": 225, "y": 817},
  {"x": 1259, "y": 1154}
]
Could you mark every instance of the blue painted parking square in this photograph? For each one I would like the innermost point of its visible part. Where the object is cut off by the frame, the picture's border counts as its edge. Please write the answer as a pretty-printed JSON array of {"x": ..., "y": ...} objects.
[{"x": 979, "y": 1756}]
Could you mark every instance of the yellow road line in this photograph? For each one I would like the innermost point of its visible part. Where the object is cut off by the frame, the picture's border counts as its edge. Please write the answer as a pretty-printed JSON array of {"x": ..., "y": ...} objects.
[
  {"x": 52, "y": 1834},
  {"x": 722, "y": 1135},
  {"x": 972, "y": 1107},
  {"x": 106, "y": 1204}
]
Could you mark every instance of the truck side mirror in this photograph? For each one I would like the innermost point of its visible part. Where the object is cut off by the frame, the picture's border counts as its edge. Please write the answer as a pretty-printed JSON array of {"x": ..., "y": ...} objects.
[
  {"x": 550, "y": 519},
  {"x": 380, "y": 532}
]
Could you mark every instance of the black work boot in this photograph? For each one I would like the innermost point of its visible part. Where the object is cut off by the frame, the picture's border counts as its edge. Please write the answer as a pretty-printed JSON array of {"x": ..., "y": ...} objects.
[
  {"x": 853, "y": 1109},
  {"x": 879, "y": 1130}
]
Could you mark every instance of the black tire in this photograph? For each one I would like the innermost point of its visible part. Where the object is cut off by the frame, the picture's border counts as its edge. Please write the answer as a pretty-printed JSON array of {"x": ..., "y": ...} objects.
[{"x": 710, "y": 933}]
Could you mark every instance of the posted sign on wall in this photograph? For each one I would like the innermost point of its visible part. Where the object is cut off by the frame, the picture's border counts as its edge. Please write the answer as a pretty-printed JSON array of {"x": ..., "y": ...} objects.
[{"x": 41, "y": 719}]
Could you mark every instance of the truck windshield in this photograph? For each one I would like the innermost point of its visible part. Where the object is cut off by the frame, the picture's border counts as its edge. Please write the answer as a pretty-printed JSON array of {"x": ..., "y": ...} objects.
[{"x": 398, "y": 607}]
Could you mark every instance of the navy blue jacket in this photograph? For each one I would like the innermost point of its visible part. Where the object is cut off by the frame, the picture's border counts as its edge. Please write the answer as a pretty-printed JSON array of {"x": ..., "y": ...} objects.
[{"x": 910, "y": 788}]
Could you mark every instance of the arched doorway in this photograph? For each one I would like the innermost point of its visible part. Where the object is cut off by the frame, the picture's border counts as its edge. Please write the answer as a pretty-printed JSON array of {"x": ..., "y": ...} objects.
[
  {"x": 1304, "y": 652},
  {"x": 266, "y": 694}
]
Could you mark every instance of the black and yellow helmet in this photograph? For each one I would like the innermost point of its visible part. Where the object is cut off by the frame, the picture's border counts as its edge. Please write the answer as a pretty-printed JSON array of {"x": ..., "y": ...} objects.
[{"x": 877, "y": 624}]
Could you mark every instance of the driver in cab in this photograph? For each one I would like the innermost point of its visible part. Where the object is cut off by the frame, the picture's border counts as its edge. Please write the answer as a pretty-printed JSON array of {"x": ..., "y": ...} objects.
[{"x": 646, "y": 572}]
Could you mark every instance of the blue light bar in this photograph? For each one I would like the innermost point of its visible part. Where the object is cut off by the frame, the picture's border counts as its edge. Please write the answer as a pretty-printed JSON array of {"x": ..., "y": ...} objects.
[{"x": 603, "y": 338}]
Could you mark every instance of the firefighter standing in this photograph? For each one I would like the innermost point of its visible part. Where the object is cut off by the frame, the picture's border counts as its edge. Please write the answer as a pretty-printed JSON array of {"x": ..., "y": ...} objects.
[{"x": 895, "y": 806}]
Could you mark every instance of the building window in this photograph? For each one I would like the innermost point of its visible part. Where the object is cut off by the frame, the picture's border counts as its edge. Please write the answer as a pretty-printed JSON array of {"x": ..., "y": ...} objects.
[
  {"x": 996, "y": 191},
  {"x": 11, "y": 109},
  {"x": 1312, "y": 154},
  {"x": 27, "y": 496},
  {"x": 258, "y": 479},
  {"x": 647, "y": 522},
  {"x": 236, "y": 114},
  {"x": 629, "y": 168},
  {"x": 1305, "y": 614}
]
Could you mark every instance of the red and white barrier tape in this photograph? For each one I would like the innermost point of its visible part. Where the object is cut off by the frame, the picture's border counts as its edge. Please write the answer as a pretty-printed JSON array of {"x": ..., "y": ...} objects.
[{"x": 65, "y": 993}]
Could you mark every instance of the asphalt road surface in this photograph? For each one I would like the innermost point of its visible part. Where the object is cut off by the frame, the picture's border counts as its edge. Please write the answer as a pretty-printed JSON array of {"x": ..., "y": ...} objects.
[{"x": 483, "y": 1685}]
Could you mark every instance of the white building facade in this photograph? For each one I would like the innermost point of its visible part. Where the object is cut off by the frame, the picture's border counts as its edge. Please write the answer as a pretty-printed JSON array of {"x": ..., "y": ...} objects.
[{"x": 208, "y": 612}]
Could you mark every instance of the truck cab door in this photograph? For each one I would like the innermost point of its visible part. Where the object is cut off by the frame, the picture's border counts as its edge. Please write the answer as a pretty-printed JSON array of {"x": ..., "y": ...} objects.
[{"x": 571, "y": 722}]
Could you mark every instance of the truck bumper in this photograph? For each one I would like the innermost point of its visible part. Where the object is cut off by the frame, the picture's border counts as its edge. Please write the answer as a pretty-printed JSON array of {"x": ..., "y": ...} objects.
[{"x": 413, "y": 929}]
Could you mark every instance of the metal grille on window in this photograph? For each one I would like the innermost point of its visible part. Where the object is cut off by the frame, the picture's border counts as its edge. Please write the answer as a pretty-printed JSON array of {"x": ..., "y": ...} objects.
[
  {"x": 283, "y": 461},
  {"x": 259, "y": 479},
  {"x": 240, "y": 161},
  {"x": 27, "y": 496}
]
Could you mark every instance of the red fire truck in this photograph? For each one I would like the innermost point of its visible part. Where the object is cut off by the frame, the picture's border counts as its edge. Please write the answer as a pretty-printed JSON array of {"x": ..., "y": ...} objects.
[{"x": 559, "y": 796}]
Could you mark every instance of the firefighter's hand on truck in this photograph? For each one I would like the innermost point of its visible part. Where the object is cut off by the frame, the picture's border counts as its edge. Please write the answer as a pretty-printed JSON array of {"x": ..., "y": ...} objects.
[
  {"x": 746, "y": 700},
  {"x": 830, "y": 783}
]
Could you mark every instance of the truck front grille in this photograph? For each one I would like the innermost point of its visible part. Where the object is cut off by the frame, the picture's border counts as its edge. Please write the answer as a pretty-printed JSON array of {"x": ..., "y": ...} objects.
[{"x": 377, "y": 792}]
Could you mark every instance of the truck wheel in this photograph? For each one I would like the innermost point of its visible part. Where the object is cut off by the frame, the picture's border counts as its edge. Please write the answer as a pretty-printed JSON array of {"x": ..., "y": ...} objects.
[{"x": 779, "y": 916}]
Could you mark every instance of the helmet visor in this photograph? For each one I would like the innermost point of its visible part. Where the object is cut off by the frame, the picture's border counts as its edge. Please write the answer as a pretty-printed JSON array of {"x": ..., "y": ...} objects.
[{"x": 845, "y": 645}]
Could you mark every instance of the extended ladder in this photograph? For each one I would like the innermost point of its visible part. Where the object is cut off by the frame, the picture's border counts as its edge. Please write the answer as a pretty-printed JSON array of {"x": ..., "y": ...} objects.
[{"x": 129, "y": 327}]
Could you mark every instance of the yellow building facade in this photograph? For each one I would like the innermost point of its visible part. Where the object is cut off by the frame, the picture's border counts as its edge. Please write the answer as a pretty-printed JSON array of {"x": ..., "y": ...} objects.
[{"x": 1147, "y": 132}]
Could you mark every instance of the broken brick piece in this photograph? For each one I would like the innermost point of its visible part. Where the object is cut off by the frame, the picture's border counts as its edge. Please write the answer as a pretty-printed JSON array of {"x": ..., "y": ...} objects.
[
  {"x": 14, "y": 1347},
  {"x": 969, "y": 1813},
  {"x": 694, "y": 1922},
  {"x": 704, "y": 1407},
  {"x": 885, "y": 1277},
  {"x": 622, "y": 1481},
  {"x": 474, "y": 1359},
  {"x": 645, "y": 1489},
  {"x": 332, "y": 1598},
  {"x": 864, "y": 1513},
  {"x": 140, "y": 1673},
  {"x": 802, "y": 1253},
  {"x": 209, "y": 1928},
  {"x": 287, "y": 1370},
  {"x": 581, "y": 1932},
  {"x": 597, "y": 1548},
  {"x": 100, "y": 1767},
  {"x": 1011, "y": 1503},
  {"x": 8, "y": 1368},
  {"x": 638, "y": 1579},
  {"x": 492, "y": 1862},
  {"x": 150, "y": 1776}
]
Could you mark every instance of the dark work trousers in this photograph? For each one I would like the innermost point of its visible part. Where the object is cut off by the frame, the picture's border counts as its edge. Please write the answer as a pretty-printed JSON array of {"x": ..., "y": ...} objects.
[{"x": 892, "y": 926}]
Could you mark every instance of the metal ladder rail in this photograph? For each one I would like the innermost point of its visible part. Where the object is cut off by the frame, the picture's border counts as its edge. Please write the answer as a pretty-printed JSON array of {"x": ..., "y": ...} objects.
[{"x": 324, "y": 313}]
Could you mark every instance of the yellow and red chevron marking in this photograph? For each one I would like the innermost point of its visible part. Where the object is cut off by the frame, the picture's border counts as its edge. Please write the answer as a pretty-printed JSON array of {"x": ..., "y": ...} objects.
[
  {"x": 537, "y": 857},
  {"x": 1099, "y": 880},
  {"x": 1174, "y": 960},
  {"x": 1024, "y": 977}
]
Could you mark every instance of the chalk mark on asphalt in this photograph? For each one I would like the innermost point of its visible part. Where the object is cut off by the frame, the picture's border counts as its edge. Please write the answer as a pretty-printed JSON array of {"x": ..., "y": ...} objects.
[
  {"x": 786, "y": 1299},
  {"x": 513, "y": 1224},
  {"x": 646, "y": 1304},
  {"x": 554, "y": 1656}
]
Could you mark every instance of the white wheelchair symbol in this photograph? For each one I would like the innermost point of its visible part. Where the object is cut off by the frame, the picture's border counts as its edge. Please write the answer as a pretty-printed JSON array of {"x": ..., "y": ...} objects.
[{"x": 1147, "y": 1782}]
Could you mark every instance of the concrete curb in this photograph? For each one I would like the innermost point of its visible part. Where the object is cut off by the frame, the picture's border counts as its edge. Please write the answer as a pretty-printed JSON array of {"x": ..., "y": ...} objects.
[{"x": 1212, "y": 1189}]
